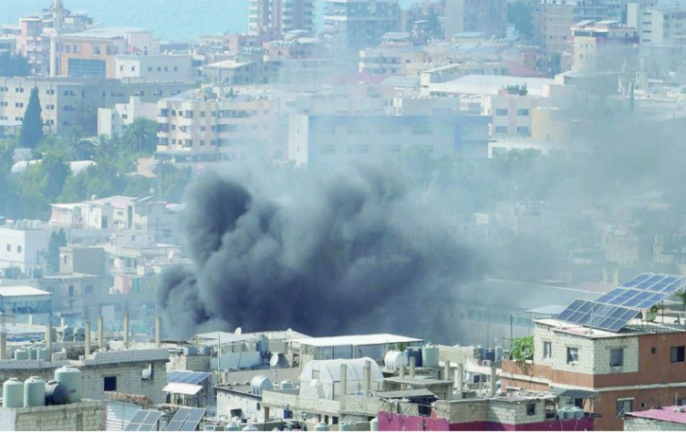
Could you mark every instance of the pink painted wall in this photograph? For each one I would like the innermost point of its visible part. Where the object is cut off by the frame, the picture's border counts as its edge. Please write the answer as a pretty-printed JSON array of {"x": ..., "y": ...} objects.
[{"x": 397, "y": 422}]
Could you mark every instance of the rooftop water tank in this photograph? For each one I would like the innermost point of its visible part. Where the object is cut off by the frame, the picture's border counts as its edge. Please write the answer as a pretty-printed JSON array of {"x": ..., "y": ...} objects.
[
  {"x": 70, "y": 377},
  {"x": 44, "y": 354},
  {"x": 416, "y": 353},
  {"x": 394, "y": 359},
  {"x": 324, "y": 427},
  {"x": 55, "y": 393},
  {"x": 80, "y": 334},
  {"x": 21, "y": 354},
  {"x": 232, "y": 426},
  {"x": 490, "y": 355},
  {"x": 190, "y": 351},
  {"x": 286, "y": 384},
  {"x": 67, "y": 333},
  {"x": 263, "y": 344},
  {"x": 250, "y": 427},
  {"x": 207, "y": 350},
  {"x": 13, "y": 393},
  {"x": 33, "y": 353},
  {"x": 259, "y": 384},
  {"x": 499, "y": 353},
  {"x": 430, "y": 356},
  {"x": 34, "y": 392},
  {"x": 374, "y": 424}
]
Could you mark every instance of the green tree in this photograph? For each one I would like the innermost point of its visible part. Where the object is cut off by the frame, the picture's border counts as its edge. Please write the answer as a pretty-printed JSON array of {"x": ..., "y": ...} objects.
[
  {"x": 58, "y": 239},
  {"x": 141, "y": 136},
  {"x": 32, "y": 127},
  {"x": 521, "y": 14},
  {"x": 13, "y": 65}
]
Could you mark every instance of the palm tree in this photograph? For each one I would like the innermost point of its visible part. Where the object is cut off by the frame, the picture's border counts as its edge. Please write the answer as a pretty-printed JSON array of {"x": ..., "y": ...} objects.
[{"x": 141, "y": 136}]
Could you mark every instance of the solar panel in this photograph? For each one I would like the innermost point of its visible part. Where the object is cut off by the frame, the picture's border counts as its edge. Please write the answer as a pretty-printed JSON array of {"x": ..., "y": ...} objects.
[
  {"x": 602, "y": 316},
  {"x": 644, "y": 291},
  {"x": 174, "y": 426},
  {"x": 144, "y": 420},
  {"x": 193, "y": 420},
  {"x": 190, "y": 377}
]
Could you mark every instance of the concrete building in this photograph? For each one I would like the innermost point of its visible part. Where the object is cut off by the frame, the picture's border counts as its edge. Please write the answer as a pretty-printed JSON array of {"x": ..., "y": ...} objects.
[
  {"x": 510, "y": 112},
  {"x": 83, "y": 416},
  {"x": 277, "y": 17},
  {"x": 604, "y": 45},
  {"x": 64, "y": 101},
  {"x": 8, "y": 44},
  {"x": 322, "y": 141},
  {"x": 22, "y": 302},
  {"x": 657, "y": 24},
  {"x": 92, "y": 53},
  {"x": 389, "y": 60},
  {"x": 114, "y": 121},
  {"x": 636, "y": 367},
  {"x": 357, "y": 24},
  {"x": 488, "y": 17},
  {"x": 21, "y": 244},
  {"x": 216, "y": 125},
  {"x": 166, "y": 68},
  {"x": 372, "y": 346}
]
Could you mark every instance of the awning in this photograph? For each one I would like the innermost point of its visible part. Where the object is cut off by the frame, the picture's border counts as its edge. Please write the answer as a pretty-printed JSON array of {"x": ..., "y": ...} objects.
[
  {"x": 182, "y": 388},
  {"x": 573, "y": 393}
]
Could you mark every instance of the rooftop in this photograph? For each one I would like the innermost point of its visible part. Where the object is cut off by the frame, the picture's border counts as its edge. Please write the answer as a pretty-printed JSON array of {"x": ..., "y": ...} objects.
[
  {"x": 491, "y": 84},
  {"x": 416, "y": 381},
  {"x": 104, "y": 33},
  {"x": 356, "y": 340},
  {"x": 15, "y": 291},
  {"x": 675, "y": 414}
]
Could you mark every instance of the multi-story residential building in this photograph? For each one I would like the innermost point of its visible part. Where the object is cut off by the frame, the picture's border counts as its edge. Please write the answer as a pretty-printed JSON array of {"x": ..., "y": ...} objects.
[
  {"x": 92, "y": 53},
  {"x": 64, "y": 100},
  {"x": 616, "y": 348},
  {"x": 657, "y": 24},
  {"x": 604, "y": 45},
  {"x": 21, "y": 244},
  {"x": 326, "y": 141},
  {"x": 554, "y": 18},
  {"x": 34, "y": 44},
  {"x": 114, "y": 121},
  {"x": 277, "y": 17},
  {"x": 510, "y": 112},
  {"x": 389, "y": 60},
  {"x": 176, "y": 68},
  {"x": 8, "y": 44},
  {"x": 483, "y": 16},
  {"x": 357, "y": 24},
  {"x": 214, "y": 125}
]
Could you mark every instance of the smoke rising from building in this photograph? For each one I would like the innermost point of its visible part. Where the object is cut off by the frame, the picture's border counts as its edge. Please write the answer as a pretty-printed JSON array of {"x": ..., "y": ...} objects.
[{"x": 324, "y": 254}]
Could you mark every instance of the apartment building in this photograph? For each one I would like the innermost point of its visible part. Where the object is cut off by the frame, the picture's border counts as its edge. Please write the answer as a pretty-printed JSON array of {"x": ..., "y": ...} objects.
[
  {"x": 114, "y": 121},
  {"x": 215, "y": 125},
  {"x": 174, "y": 68},
  {"x": 277, "y": 17},
  {"x": 63, "y": 100},
  {"x": 554, "y": 18},
  {"x": 390, "y": 60},
  {"x": 21, "y": 244},
  {"x": 326, "y": 141},
  {"x": 510, "y": 112},
  {"x": 357, "y": 24},
  {"x": 483, "y": 16},
  {"x": 618, "y": 348},
  {"x": 34, "y": 44},
  {"x": 657, "y": 24},
  {"x": 92, "y": 53},
  {"x": 604, "y": 45}
]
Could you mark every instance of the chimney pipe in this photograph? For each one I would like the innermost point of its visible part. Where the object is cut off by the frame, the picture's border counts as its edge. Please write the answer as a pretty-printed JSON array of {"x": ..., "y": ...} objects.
[
  {"x": 402, "y": 371},
  {"x": 459, "y": 381},
  {"x": 344, "y": 381},
  {"x": 367, "y": 371},
  {"x": 413, "y": 361},
  {"x": 493, "y": 378},
  {"x": 63, "y": 322},
  {"x": 446, "y": 370},
  {"x": 48, "y": 339},
  {"x": 3, "y": 345},
  {"x": 158, "y": 332},
  {"x": 101, "y": 333},
  {"x": 126, "y": 330},
  {"x": 87, "y": 351}
]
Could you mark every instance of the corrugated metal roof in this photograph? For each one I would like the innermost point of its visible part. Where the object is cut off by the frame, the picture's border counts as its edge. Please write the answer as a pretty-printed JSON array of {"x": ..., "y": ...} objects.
[
  {"x": 14, "y": 291},
  {"x": 182, "y": 388},
  {"x": 664, "y": 414}
]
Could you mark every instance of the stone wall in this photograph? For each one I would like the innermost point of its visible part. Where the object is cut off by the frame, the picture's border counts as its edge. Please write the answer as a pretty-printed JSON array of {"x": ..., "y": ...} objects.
[
  {"x": 189, "y": 363},
  {"x": 84, "y": 416},
  {"x": 129, "y": 380}
]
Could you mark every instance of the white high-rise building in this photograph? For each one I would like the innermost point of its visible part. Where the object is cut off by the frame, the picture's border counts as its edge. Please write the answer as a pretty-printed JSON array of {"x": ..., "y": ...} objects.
[{"x": 276, "y": 17}]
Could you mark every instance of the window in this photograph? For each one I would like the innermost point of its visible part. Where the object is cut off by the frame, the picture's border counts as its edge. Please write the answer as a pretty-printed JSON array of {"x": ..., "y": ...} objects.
[
  {"x": 547, "y": 349},
  {"x": 19, "y": 248},
  {"x": 501, "y": 112},
  {"x": 677, "y": 354},
  {"x": 110, "y": 383},
  {"x": 572, "y": 355},
  {"x": 624, "y": 406},
  {"x": 523, "y": 130},
  {"x": 616, "y": 357},
  {"x": 531, "y": 409},
  {"x": 89, "y": 289},
  {"x": 147, "y": 373},
  {"x": 9, "y": 248},
  {"x": 501, "y": 129},
  {"x": 523, "y": 112},
  {"x": 653, "y": 351}
]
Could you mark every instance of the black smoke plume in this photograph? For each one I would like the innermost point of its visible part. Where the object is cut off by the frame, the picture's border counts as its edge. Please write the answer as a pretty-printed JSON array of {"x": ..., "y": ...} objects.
[{"x": 322, "y": 254}]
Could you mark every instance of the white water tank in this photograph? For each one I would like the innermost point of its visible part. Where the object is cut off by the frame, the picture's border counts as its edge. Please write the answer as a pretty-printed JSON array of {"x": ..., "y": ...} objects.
[
  {"x": 395, "y": 359},
  {"x": 430, "y": 356},
  {"x": 259, "y": 384}
]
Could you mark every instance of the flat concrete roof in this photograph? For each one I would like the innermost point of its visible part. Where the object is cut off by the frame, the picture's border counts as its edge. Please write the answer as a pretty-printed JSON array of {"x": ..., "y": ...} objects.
[
  {"x": 356, "y": 340},
  {"x": 16, "y": 291}
]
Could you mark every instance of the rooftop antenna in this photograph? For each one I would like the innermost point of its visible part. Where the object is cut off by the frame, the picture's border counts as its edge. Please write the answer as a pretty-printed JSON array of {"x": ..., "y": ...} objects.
[{"x": 590, "y": 328}]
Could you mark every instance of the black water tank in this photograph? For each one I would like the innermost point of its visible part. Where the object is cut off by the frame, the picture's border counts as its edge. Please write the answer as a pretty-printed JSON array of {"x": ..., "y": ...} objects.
[{"x": 55, "y": 393}]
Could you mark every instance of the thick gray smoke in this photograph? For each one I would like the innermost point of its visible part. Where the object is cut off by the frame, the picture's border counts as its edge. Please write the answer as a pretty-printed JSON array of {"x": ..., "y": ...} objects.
[{"x": 352, "y": 252}]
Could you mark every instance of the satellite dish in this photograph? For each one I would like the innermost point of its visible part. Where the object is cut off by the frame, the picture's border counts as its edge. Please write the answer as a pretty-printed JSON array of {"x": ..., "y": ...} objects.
[
  {"x": 274, "y": 361},
  {"x": 238, "y": 331}
]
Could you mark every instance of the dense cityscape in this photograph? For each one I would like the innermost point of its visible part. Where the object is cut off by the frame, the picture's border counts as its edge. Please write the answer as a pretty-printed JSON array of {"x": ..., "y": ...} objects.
[{"x": 359, "y": 215}]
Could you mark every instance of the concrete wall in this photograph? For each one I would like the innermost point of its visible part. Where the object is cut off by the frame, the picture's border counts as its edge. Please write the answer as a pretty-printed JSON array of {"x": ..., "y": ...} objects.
[
  {"x": 643, "y": 424},
  {"x": 129, "y": 380},
  {"x": 84, "y": 416}
]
